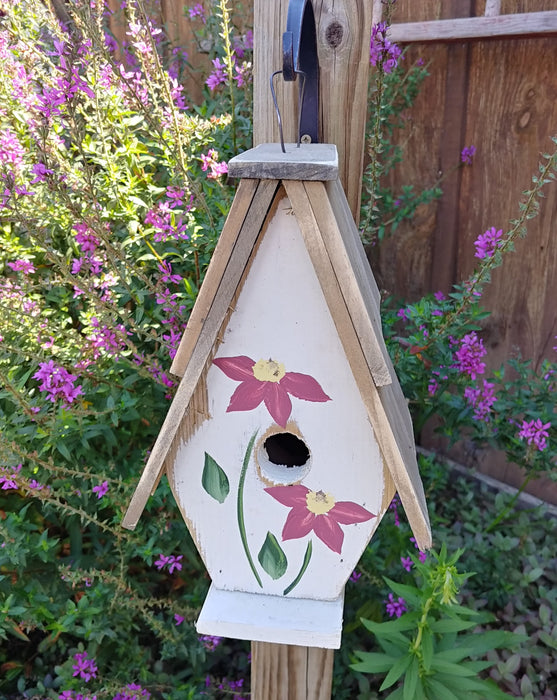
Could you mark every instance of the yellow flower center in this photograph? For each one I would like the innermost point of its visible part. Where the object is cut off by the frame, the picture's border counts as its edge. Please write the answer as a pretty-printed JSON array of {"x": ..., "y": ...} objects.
[
  {"x": 268, "y": 371},
  {"x": 319, "y": 502}
]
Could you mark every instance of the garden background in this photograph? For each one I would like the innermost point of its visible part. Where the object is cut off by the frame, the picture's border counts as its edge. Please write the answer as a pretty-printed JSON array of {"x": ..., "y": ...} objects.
[{"x": 114, "y": 141}]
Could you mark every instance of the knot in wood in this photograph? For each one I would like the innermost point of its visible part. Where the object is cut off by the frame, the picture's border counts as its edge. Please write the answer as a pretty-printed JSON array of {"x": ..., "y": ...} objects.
[{"x": 334, "y": 34}]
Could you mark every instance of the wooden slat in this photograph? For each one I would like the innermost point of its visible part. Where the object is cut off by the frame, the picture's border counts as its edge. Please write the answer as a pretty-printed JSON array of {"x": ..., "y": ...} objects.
[
  {"x": 359, "y": 298},
  {"x": 517, "y": 25},
  {"x": 206, "y": 337},
  {"x": 396, "y": 447},
  {"x": 288, "y": 672},
  {"x": 215, "y": 271},
  {"x": 492, "y": 8}
]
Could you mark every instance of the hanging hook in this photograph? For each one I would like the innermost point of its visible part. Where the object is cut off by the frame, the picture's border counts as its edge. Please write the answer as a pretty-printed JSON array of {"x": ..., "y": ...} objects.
[{"x": 299, "y": 58}]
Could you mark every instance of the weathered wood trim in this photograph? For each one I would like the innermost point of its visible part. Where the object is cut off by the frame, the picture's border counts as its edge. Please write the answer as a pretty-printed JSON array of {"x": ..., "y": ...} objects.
[
  {"x": 527, "y": 24},
  {"x": 386, "y": 406},
  {"x": 221, "y": 292}
]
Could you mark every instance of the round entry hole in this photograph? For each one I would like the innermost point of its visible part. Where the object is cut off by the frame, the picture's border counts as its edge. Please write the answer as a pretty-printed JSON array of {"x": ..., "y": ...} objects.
[
  {"x": 283, "y": 458},
  {"x": 286, "y": 449}
]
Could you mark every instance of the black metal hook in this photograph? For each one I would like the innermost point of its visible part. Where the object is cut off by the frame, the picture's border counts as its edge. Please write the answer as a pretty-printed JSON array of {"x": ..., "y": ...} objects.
[{"x": 299, "y": 57}]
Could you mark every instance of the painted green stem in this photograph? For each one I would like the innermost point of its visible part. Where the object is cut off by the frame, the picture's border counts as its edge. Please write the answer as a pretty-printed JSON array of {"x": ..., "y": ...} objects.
[
  {"x": 302, "y": 571},
  {"x": 240, "y": 508}
]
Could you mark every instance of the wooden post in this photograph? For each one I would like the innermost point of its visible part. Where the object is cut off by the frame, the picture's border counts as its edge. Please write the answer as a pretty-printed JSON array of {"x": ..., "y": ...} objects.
[
  {"x": 281, "y": 672},
  {"x": 343, "y": 36}
]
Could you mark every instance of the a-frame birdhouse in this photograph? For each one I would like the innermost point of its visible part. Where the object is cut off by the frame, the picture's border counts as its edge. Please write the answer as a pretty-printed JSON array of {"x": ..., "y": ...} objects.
[{"x": 289, "y": 432}]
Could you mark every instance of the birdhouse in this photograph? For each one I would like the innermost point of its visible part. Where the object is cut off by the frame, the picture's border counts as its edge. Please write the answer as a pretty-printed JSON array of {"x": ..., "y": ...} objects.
[{"x": 288, "y": 433}]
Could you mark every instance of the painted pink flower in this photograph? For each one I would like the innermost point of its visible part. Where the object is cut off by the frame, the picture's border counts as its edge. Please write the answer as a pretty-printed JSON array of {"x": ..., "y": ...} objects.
[
  {"x": 317, "y": 511},
  {"x": 267, "y": 381}
]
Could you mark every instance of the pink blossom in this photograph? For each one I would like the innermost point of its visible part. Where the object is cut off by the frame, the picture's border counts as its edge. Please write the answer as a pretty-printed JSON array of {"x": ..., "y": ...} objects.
[
  {"x": 197, "y": 11},
  {"x": 317, "y": 511},
  {"x": 101, "y": 489},
  {"x": 84, "y": 667},
  {"x": 481, "y": 399},
  {"x": 209, "y": 162},
  {"x": 395, "y": 607},
  {"x": 535, "y": 432},
  {"x": 210, "y": 642},
  {"x": 407, "y": 563},
  {"x": 57, "y": 382},
  {"x": 267, "y": 381},
  {"x": 469, "y": 354},
  {"x": 467, "y": 154},
  {"x": 22, "y": 266},
  {"x": 9, "y": 476},
  {"x": 218, "y": 76},
  {"x": 179, "y": 619},
  {"x": 488, "y": 242}
]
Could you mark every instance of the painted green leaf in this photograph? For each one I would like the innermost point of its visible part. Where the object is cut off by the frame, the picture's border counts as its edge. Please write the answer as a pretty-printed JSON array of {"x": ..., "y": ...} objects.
[
  {"x": 272, "y": 558},
  {"x": 214, "y": 480}
]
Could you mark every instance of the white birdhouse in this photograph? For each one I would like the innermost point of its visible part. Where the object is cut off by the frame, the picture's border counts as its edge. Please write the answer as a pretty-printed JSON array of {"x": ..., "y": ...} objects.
[{"x": 289, "y": 433}]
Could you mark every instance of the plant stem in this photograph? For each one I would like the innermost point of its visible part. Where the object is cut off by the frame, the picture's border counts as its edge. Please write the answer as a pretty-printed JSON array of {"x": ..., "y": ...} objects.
[
  {"x": 503, "y": 514},
  {"x": 240, "y": 508},
  {"x": 305, "y": 564}
]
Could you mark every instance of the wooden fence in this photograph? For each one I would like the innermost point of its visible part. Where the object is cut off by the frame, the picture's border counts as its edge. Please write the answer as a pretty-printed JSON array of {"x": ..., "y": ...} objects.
[{"x": 500, "y": 95}]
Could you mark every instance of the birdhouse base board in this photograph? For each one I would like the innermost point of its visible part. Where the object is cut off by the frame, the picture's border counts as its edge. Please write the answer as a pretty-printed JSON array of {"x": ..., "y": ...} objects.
[
  {"x": 269, "y": 618},
  {"x": 309, "y": 161}
]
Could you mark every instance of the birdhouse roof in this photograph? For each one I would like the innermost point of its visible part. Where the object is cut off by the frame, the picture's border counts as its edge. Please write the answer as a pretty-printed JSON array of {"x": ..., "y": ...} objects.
[{"x": 308, "y": 175}]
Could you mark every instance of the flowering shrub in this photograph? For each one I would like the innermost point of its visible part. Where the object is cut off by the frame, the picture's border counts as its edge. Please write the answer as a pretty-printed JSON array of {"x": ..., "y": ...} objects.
[
  {"x": 113, "y": 192},
  {"x": 112, "y": 195}
]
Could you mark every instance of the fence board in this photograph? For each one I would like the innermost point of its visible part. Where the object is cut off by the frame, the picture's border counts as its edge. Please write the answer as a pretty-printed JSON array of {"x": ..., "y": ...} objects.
[{"x": 502, "y": 98}]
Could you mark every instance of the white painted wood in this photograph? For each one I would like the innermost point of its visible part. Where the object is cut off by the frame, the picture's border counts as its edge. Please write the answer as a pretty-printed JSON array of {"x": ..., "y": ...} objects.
[
  {"x": 377, "y": 11},
  {"x": 263, "y": 618},
  {"x": 313, "y": 161},
  {"x": 281, "y": 314},
  {"x": 515, "y": 25}
]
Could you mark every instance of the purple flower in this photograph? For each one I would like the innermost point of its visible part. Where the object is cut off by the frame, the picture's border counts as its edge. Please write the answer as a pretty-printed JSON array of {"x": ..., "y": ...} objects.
[
  {"x": 57, "y": 382},
  {"x": 166, "y": 269},
  {"x": 209, "y": 162},
  {"x": 395, "y": 607},
  {"x": 210, "y": 643},
  {"x": 85, "y": 238},
  {"x": 179, "y": 619},
  {"x": 174, "y": 563},
  {"x": 171, "y": 561},
  {"x": 22, "y": 266},
  {"x": 355, "y": 576},
  {"x": 469, "y": 354},
  {"x": 35, "y": 485},
  {"x": 432, "y": 387},
  {"x": 535, "y": 432},
  {"x": 40, "y": 171},
  {"x": 407, "y": 563},
  {"x": 101, "y": 489},
  {"x": 488, "y": 242},
  {"x": 84, "y": 667},
  {"x": 8, "y": 477},
  {"x": 133, "y": 691},
  {"x": 218, "y": 76},
  {"x": 11, "y": 151},
  {"x": 481, "y": 399},
  {"x": 381, "y": 51},
  {"x": 467, "y": 154},
  {"x": 394, "y": 507},
  {"x": 197, "y": 11}
]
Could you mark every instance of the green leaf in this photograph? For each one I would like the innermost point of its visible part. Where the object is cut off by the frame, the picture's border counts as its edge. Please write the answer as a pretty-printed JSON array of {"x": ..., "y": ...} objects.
[
  {"x": 448, "y": 667},
  {"x": 397, "y": 670},
  {"x": 427, "y": 649},
  {"x": 448, "y": 625},
  {"x": 214, "y": 480},
  {"x": 411, "y": 681},
  {"x": 371, "y": 662},
  {"x": 486, "y": 689},
  {"x": 272, "y": 558},
  {"x": 440, "y": 691}
]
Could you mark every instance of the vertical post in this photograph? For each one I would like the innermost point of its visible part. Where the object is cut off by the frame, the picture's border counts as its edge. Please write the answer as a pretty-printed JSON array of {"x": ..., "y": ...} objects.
[
  {"x": 281, "y": 672},
  {"x": 343, "y": 36}
]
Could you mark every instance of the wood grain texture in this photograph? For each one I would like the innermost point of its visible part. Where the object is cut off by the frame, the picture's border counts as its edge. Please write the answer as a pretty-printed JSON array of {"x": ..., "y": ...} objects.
[
  {"x": 286, "y": 672},
  {"x": 315, "y": 161},
  {"x": 362, "y": 299},
  {"x": 527, "y": 24},
  {"x": 509, "y": 109},
  {"x": 343, "y": 35}
]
